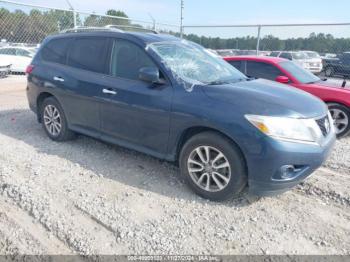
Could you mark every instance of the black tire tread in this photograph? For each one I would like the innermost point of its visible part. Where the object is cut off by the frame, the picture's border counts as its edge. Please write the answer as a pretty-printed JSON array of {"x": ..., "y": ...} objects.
[
  {"x": 232, "y": 152},
  {"x": 65, "y": 134}
]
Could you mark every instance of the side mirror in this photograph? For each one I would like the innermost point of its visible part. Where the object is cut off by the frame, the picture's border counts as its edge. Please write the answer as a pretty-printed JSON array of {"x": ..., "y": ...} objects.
[
  {"x": 282, "y": 79},
  {"x": 149, "y": 74}
]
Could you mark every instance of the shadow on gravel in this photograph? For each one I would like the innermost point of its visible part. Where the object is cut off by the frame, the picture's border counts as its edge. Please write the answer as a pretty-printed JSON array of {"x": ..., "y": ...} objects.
[{"x": 113, "y": 162}]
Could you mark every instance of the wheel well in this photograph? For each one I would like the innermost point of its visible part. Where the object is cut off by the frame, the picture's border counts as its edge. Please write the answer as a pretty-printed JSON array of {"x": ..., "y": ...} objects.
[
  {"x": 190, "y": 132},
  {"x": 338, "y": 103},
  {"x": 39, "y": 101}
]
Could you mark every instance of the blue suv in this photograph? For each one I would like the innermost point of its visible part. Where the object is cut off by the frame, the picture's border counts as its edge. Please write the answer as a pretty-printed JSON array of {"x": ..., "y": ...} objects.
[{"x": 174, "y": 100}]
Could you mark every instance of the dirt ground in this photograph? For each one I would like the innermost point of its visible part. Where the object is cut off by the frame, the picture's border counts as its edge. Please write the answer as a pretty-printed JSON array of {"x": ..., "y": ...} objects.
[{"x": 88, "y": 197}]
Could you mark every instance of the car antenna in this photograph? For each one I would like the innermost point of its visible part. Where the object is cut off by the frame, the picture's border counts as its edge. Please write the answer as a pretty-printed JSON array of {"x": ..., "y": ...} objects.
[{"x": 344, "y": 83}]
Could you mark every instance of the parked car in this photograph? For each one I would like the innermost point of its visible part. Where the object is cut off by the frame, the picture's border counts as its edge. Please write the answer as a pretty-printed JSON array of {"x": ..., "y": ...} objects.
[
  {"x": 5, "y": 69},
  {"x": 245, "y": 52},
  {"x": 300, "y": 58},
  {"x": 315, "y": 61},
  {"x": 328, "y": 55},
  {"x": 172, "y": 99},
  {"x": 337, "y": 66},
  {"x": 225, "y": 52},
  {"x": 18, "y": 57},
  {"x": 287, "y": 72}
]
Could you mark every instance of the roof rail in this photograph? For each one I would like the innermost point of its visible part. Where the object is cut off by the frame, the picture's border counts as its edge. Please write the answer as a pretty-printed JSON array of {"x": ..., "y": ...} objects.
[
  {"x": 132, "y": 28},
  {"x": 115, "y": 28},
  {"x": 90, "y": 28}
]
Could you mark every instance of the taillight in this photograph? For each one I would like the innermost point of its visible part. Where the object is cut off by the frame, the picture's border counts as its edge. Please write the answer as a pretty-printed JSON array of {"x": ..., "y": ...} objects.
[{"x": 29, "y": 69}]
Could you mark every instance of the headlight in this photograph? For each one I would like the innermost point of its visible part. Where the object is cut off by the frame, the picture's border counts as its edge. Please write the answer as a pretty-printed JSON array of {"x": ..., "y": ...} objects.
[{"x": 284, "y": 128}]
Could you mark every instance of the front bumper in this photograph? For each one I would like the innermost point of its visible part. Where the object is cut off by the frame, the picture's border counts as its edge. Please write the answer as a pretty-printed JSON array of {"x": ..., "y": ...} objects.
[
  {"x": 314, "y": 69},
  {"x": 306, "y": 157}
]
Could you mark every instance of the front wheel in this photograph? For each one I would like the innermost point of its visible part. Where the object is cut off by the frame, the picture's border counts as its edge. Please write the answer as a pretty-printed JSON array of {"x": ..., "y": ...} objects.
[
  {"x": 213, "y": 166},
  {"x": 341, "y": 119},
  {"x": 329, "y": 72}
]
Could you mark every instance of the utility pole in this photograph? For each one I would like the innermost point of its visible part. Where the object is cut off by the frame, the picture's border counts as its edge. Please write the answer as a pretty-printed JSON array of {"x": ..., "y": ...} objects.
[
  {"x": 74, "y": 14},
  {"x": 181, "y": 19},
  {"x": 153, "y": 20},
  {"x": 258, "y": 40}
]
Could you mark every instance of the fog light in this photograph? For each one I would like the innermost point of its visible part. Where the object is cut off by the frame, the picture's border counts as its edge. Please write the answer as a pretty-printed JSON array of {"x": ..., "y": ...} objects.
[{"x": 287, "y": 171}]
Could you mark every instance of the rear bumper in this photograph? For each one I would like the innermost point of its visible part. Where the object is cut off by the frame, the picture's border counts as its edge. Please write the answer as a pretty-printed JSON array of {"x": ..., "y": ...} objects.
[
  {"x": 265, "y": 179},
  {"x": 5, "y": 70}
]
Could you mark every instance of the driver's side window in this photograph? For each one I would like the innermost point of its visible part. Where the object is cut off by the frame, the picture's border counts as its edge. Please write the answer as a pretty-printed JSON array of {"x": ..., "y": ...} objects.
[{"x": 127, "y": 59}]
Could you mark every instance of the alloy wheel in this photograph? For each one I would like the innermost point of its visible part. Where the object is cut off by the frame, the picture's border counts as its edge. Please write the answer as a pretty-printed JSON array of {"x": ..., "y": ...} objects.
[
  {"x": 52, "y": 120},
  {"x": 340, "y": 119},
  {"x": 209, "y": 168}
]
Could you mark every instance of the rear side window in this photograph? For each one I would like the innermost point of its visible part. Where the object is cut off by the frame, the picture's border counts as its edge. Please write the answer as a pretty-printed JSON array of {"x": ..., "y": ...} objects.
[
  {"x": 286, "y": 56},
  {"x": 8, "y": 51},
  {"x": 262, "y": 70},
  {"x": 21, "y": 52},
  {"x": 55, "y": 51},
  {"x": 275, "y": 54},
  {"x": 128, "y": 59},
  {"x": 237, "y": 65},
  {"x": 89, "y": 54}
]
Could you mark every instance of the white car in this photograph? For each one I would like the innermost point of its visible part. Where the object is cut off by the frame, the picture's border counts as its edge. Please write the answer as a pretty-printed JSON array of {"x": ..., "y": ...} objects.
[
  {"x": 18, "y": 57},
  {"x": 5, "y": 68},
  {"x": 300, "y": 58},
  {"x": 315, "y": 61}
]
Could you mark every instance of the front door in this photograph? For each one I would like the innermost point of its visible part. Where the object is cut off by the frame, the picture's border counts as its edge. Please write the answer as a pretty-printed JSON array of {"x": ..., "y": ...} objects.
[{"x": 135, "y": 112}]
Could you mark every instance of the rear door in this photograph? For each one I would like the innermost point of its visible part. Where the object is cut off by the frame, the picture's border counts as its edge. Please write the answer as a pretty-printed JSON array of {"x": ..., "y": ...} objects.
[
  {"x": 73, "y": 69},
  {"x": 84, "y": 78},
  {"x": 134, "y": 112}
]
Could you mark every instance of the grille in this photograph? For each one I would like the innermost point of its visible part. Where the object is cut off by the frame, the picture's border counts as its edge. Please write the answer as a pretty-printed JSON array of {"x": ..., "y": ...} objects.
[{"x": 324, "y": 125}]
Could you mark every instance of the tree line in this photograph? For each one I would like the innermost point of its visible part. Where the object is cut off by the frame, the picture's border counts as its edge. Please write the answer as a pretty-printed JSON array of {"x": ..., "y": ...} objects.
[
  {"x": 323, "y": 43},
  {"x": 33, "y": 27}
]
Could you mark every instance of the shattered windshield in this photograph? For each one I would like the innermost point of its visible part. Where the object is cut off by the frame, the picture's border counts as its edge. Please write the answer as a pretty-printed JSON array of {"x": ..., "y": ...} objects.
[{"x": 194, "y": 64}]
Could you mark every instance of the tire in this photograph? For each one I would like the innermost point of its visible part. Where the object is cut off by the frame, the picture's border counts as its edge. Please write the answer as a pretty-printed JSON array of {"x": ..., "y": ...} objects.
[
  {"x": 232, "y": 181},
  {"x": 342, "y": 123},
  {"x": 63, "y": 134},
  {"x": 329, "y": 72}
]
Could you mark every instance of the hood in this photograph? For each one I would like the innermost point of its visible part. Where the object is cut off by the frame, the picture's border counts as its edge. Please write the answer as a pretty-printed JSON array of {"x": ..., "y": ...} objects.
[
  {"x": 314, "y": 60},
  {"x": 331, "y": 84},
  {"x": 264, "y": 97}
]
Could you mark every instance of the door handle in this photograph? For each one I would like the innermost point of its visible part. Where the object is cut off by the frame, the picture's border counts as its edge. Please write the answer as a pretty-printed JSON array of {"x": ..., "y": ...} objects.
[
  {"x": 58, "y": 78},
  {"x": 108, "y": 91}
]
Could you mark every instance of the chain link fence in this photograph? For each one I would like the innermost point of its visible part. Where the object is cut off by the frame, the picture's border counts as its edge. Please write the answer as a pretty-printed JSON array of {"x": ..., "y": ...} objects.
[
  {"x": 321, "y": 48},
  {"x": 29, "y": 24},
  {"x": 327, "y": 45}
]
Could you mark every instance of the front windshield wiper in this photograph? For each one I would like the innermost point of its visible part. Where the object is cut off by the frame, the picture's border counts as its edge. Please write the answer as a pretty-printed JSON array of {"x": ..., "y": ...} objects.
[{"x": 224, "y": 82}]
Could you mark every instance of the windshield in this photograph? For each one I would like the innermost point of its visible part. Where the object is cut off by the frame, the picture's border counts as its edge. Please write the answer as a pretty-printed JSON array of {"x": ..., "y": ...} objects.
[
  {"x": 195, "y": 65},
  {"x": 299, "y": 56},
  {"x": 301, "y": 74},
  {"x": 312, "y": 54}
]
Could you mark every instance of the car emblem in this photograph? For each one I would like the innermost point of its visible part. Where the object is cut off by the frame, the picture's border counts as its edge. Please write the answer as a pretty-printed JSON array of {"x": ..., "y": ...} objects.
[{"x": 327, "y": 125}]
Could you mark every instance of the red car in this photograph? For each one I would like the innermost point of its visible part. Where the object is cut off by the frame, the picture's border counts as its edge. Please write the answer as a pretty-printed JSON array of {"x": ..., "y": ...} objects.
[{"x": 287, "y": 72}]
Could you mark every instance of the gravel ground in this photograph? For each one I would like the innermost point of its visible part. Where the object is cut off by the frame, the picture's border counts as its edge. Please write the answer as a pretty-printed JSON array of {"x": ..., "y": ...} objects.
[{"x": 88, "y": 197}]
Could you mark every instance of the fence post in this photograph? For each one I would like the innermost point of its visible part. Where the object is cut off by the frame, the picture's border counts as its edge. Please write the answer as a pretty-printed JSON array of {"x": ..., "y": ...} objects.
[
  {"x": 181, "y": 19},
  {"x": 258, "y": 40},
  {"x": 75, "y": 18}
]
